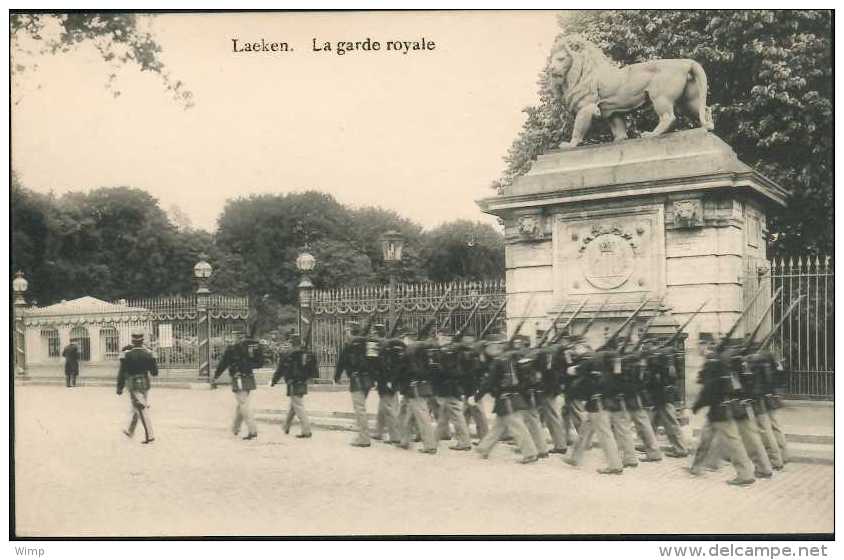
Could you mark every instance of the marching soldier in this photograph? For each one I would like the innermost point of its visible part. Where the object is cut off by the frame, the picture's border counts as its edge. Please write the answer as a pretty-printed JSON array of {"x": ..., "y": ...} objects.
[
  {"x": 609, "y": 361},
  {"x": 530, "y": 387},
  {"x": 717, "y": 395},
  {"x": 574, "y": 410},
  {"x": 551, "y": 364},
  {"x": 503, "y": 384},
  {"x": 392, "y": 353},
  {"x": 661, "y": 387},
  {"x": 588, "y": 381},
  {"x": 449, "y": 393},
  {"x": 770, "y": 375},
  {"x": 415, "y": 386},
  {"x": 471, "y": 370},
  {"x": 632, "y": 384},
  {"x": 296, "y": 367},
  {"x": 136, "y": 365},
  {"x": 358, "y": 360},
  {"x": 240, "y": 358},
  {"x": 756, "y": 378}
]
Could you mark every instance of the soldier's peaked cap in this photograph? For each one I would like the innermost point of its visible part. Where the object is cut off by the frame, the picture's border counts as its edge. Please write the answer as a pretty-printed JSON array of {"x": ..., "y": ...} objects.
[{"x": 137, "y": 336}]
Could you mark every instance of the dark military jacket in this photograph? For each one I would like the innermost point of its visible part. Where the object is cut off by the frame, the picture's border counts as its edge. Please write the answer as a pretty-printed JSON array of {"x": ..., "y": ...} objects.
[
  {"x": 136, "y": 365},
  {"x": 503, "y": 384},
  {"x": 393, "y": 363},
  {"x": 721, "y": 391},
  {"x": 769, "y": 377},
  {"x": 447, "y": 377},
  {"x": 241, "y": 359},
  {"x": 660, "y": 376},
  {"x": 361, "y": 369},
  {"x": 415, "y": 380},
  {"x": 470, "y": 369},
  {"x": 296, "y": 367},
  {"x": 631, "y": 382}
]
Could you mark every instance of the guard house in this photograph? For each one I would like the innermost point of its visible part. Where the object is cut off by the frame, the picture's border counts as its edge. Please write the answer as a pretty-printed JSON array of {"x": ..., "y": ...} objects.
[{"x": 98, "y": 328}]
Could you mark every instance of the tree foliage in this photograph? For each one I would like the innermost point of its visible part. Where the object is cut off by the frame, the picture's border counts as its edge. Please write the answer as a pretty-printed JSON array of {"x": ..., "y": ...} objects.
[
  {"x": 465, "y": 250},
  {"x": 120, "y": 39},
  {"x": 770, "y": 90}
]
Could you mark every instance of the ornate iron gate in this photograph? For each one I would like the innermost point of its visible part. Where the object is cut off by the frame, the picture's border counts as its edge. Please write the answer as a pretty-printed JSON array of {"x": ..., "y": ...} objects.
[
  {"x": 175, "y": 331},
  {"x": 806, "y": 341},
  {"x": 333, "y": 309}
]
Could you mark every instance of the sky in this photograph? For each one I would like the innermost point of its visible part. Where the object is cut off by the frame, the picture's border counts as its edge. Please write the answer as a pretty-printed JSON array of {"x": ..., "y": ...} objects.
[{"x": 422, "y": 133}]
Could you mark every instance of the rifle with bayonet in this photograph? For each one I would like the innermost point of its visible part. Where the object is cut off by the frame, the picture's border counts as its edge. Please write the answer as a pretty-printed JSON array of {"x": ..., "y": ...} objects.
[
  {"x": 680, "y": 330},
  {"x": 761, "y": 320},
  {"x": 776, "y": 327},
  {"x": 394, "y": 327},
  {"x": 426, "y": 327},
  {"x": 364, "y": 331},
  {"x": 494, "y": 318},
  {"x": 594, "y": 317},
  {"x": 614, "y": 335},
  {"x": 646, "y": 328},
  {"x": 459, "y": 334},
  {"x": 726, "y": 338},
  {"x": 520, "y": 323},
  {"x": 559, "y": 333}
]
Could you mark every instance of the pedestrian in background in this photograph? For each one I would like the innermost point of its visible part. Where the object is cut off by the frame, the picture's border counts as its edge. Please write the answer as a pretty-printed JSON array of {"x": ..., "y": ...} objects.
[{"x": 71, "y": 364}]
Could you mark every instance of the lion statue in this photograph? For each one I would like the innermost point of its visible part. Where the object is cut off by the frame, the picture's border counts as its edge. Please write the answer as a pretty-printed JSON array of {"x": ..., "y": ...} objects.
[{"x": 590, "y": 85}]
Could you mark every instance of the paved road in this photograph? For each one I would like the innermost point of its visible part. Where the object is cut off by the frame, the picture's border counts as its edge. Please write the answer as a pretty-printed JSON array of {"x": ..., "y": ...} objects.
[{"x": 76, "y": 474}]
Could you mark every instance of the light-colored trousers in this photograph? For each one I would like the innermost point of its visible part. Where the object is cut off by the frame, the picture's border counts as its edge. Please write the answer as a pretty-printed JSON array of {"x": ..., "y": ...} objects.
[
  {"x": 599, "y": 425},
  {"x": 728, "y": 434},
  {"x": 297, "y": 409},
  {"x": 514, "y": 424},
  {"x": 359, "y": 406},
  {"x": 666, "y": 416},
  {"x": 534, "y": 427},
  {"x": 622, "y": 428},
  {"x": 388, "y": 417},
  {"x": 474, "y": 413},
  {"x": 243, "y": 412},
  {"x": 779, "y": 434},
  {"x": 549, "y": 412},
  {"x": 645, "y": 429},
  {"x": 139, "y": 401},
  {"x": 751, "y": 438},
  {"x": 416, "y": 411},
  {"x": 769, "y": 440},
  {"x": 573, "y": 416},
  {"x": 451, "y": 412}
]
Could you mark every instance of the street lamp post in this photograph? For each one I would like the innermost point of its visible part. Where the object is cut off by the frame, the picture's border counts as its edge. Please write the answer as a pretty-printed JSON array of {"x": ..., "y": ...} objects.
[
  {"x": 202, "y": 273},
  {"x": 392, "y": 243},
  {"x": 305, "y": 263},
  {"x": 19, "y": 286}
]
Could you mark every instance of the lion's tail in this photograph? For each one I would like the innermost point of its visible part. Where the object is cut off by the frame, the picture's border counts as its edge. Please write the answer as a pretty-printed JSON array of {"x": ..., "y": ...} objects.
[{"x": 705, "y": 115}]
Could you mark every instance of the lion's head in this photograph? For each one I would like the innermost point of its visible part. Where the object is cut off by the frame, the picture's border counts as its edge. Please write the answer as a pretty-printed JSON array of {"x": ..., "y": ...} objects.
[{"x": 571, "y": 67}]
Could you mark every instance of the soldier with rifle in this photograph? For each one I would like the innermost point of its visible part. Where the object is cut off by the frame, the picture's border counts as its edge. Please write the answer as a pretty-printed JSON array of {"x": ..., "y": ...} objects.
[
  {"x": 471, "y": 371},
  {"x": 392, "y": 355},
  {"x": 768, "y": 373},
  {"x": 588, "y": 381},
  {"x": 631, "y": 383},
  {"x": 718, "y": 394},
  {"x": 359, "y": 361},
  {"x": 449, "y": 392},
  {"x": 661, "y": 386},
  {"x": 296, "y": 367},
  {"x": 530, "y": 386},
  {"x": 609, "y": 361}
]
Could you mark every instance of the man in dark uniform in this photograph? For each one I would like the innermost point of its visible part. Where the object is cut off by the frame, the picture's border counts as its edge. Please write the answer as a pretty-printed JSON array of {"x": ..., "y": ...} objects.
[
  {"x": 769, "y": 377},
  {"x": 449, "y": 393},
  {"x": 589, "y": 382},
  {"x": 241, "y": 358},
  {"x": 573, "y": 412},
  {"x": 661, "y": 387},
  {"x": 71, "y": 364},
  {"x": 471, "y": 370},
  {"x": 718, "y": 395},
  {"x": 530, "y": 387},
  {"x": 394, "y": 360},
  {"x": 551, "y": 364},
  {"x": 632, "y": 385},
  {"x": 755, "y": 379},
  {"x": 415, "y": 385},
  {"x": 136, "y": 365},
  {"x": 359, "y": 360},
  {"x": 503, "y": 384},
  {"x": 296, "y": 367}
]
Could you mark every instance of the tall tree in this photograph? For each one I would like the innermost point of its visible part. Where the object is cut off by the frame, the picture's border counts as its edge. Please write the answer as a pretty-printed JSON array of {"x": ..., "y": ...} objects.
[
  {"x": 464, "y": 250},
  {"x": 120, "y": 39},
  {"x": 770, "y": 83}
]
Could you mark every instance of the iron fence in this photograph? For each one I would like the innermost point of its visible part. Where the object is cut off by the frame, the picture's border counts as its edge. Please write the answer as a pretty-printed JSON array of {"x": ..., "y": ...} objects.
[
  {"x": 806, "y": 340},
  {"x": 333, "y": 310}
]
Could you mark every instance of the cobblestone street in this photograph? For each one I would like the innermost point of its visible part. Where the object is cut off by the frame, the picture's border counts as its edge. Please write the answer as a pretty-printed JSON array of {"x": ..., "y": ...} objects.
[{"x": 76, "y": 474}]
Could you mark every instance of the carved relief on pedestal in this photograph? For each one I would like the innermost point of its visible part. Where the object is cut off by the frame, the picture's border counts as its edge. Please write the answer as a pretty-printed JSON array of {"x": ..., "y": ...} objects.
[
  {"x": 607, "y": 254},
  {"x": 530, "y": 228},
  {"x": 688, "y": 213}
]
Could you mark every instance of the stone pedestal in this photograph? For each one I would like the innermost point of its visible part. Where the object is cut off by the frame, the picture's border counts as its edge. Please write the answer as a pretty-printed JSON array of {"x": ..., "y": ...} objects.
[{"x": 676, "y": 217}]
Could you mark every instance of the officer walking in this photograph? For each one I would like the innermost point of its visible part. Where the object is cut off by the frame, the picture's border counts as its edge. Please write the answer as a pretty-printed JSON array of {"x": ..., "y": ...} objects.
[
  {"x": 136, "y": 365},
  {"x": 240, "y": 359},
  {"x": 296, "y": 367},
  {"x": 357, "y": 357}
]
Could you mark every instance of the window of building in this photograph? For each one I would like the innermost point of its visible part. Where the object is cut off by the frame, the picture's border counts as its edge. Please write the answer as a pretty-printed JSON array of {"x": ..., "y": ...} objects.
[
  {"x": 110, "y": 342},
  {"x": 79, "y": 337},
  {"x": 50, "y": 337}
]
